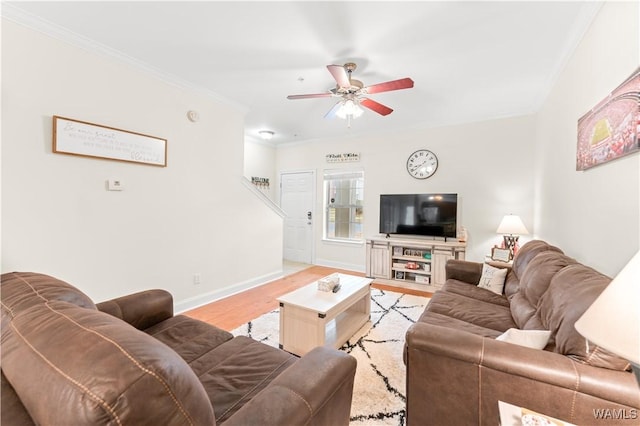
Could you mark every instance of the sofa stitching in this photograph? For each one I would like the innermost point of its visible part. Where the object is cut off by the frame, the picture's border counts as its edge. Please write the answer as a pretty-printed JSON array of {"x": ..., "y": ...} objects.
[
  {"x": 480, "y": 380},
  {"x": 256, "y": 385},
  {"x": 594, "y": 351},
  {"x": 8, "y": 309},
  {"x": 303, "y": 399},
  {"x": 31, "y": 287},
  {"x": 93, "y": 396},
  {"x": 575, "y": 392},
  {"x": 133, "y": 360},
  {"x": 137, "y": 364},
  {"x": 335, "y": 390}
]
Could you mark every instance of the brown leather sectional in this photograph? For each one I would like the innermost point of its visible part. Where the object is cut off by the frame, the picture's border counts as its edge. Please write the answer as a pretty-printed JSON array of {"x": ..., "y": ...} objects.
[
  {"x": 130, "y": 361},
  {"x": 457, "y": 372}
]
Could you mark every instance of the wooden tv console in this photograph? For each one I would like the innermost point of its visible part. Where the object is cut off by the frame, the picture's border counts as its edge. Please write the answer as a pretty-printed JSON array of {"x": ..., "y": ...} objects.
[{"x": 411, "y": 262}]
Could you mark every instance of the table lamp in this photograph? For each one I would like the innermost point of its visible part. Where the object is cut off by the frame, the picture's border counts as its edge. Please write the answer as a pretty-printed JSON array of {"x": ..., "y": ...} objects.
[
  {"x": 513, "y": 226},
  {"x": 613, "y": 320}
]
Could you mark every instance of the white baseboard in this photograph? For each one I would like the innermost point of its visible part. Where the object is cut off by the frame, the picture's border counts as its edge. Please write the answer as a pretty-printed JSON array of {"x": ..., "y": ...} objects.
[
  {"x": 212, "y": 296},
  {"x": 346, "y": 266}
]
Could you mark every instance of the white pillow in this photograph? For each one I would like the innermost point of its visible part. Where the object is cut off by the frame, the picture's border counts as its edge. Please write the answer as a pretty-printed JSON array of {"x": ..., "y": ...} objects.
[
  {"x": 536, "y": 339},
  {"x": 493, "y": 278}
]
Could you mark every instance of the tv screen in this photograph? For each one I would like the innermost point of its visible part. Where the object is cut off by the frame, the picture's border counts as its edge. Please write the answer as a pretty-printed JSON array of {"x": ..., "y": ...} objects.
[{"x": 419, "y": 214}]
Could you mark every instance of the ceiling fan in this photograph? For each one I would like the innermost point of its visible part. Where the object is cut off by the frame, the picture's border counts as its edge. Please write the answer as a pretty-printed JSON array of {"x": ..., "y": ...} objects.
[{"x": 352, "y": 93}]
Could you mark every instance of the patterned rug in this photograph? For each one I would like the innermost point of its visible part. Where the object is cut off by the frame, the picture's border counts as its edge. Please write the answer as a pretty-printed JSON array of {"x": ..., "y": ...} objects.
[{"x": 379, "y": 389}]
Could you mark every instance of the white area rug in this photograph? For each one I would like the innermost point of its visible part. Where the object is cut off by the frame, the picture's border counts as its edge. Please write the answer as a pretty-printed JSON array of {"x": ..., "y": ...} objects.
[{"x": 379, "y": 389}]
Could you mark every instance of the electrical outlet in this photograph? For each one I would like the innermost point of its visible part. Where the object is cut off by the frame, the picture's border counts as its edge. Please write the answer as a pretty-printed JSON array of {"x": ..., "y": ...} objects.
[{"x": 196, "y": 279}]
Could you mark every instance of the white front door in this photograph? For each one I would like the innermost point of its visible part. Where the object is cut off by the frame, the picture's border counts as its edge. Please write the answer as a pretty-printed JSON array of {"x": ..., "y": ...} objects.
[{"x": 296, "y": 200}]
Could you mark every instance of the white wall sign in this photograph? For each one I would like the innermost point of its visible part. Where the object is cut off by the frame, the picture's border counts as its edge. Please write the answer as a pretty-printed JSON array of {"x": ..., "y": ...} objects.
[
  {"x": 93, "y": 140},
  {"x": 344, "y": 157}
]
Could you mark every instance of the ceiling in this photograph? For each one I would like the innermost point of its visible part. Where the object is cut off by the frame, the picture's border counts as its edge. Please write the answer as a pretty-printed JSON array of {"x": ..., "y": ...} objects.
[{"x": 470, "y": 61}]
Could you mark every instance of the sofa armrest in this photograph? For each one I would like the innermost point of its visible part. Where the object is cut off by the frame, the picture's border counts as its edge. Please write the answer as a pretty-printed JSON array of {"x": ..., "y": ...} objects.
[
  {"x": 12, "y": 412},
  {"x": 316, "y": 390},
  {"x": 445, "y": 365},
  {"x": 464, "y": 270},
  {"x": 142, "y": 309}
]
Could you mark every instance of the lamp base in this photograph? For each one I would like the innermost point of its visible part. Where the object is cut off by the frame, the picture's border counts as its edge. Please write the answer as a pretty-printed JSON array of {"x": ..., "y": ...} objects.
[{"x": 510, "y": 242}]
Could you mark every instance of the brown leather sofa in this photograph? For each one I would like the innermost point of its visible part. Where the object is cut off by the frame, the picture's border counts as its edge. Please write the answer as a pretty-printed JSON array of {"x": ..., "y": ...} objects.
[
  {"x": 130, "y": 361},
  {"x": 457, "y": 372}
]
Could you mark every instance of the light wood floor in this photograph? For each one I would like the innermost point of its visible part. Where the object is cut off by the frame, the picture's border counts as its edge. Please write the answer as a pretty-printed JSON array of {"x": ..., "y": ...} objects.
[{"x": 233, "y": 311}]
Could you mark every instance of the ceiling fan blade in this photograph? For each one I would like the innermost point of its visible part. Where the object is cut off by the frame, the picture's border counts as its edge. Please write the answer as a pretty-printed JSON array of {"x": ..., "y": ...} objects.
[
  {"x": 403, "y": 83},
  {"x": 375, "y": 106},
  {"x": 332, "y": 112},
  {"x": 339, "y": 73},
  {"x": 315, "y": 95}
]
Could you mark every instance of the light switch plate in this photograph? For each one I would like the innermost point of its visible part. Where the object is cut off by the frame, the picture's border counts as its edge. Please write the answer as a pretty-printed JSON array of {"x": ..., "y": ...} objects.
[{"x": 115, "y": 185}]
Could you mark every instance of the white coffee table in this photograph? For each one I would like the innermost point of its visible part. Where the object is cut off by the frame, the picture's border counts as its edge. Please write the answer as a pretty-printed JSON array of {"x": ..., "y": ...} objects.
[{"x": 310, "y": 317}]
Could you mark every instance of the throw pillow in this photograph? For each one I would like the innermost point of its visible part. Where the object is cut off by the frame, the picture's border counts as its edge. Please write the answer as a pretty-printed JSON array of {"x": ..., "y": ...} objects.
[
  {"x": 536, "y": 339},
  {"x": 493, "y": 278}
]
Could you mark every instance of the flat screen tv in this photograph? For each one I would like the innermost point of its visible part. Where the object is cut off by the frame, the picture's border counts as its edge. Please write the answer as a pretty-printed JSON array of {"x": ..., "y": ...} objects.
[{"x": 432, "y": 215}]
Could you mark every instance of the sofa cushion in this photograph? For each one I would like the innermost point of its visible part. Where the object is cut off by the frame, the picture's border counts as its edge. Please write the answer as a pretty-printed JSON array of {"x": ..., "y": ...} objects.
[
  {"x": 137, "y": 381},
  {"x": 189, "y": 337},
  {"x": 12, "y": 412},
  {"x": 21, "y": 290},
  {"x": 571, "y": 292},
  {"x": 233, "y": 373},
  {"x": 520, "y": 262},
  {"x": 435, "y": 318},
  {"x": 533, "y": 284},
  {"x": 492, "y": 278},
  {"x": 471, "y": 310},
  {"x": 465, "y": 289}
]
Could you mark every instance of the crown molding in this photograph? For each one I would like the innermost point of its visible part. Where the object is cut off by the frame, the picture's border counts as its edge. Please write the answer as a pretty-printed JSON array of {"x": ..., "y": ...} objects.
[
  {"x": 580, "y": 28},
  {"x": 19, "y": 16}
]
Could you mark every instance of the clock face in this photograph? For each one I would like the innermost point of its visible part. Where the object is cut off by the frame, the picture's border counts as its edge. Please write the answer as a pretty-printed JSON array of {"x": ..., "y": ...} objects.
[{"x": 422, "y": 164}]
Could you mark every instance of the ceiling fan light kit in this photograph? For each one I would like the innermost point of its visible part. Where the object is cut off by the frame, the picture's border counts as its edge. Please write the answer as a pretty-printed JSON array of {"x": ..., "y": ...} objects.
[
  {"x": 349, "y": 107},
  {"x": 352, "y": 93}
]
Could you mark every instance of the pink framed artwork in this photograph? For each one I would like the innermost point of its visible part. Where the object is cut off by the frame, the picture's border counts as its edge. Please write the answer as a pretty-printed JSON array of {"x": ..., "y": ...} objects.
[{"x": 612, "y": 128}]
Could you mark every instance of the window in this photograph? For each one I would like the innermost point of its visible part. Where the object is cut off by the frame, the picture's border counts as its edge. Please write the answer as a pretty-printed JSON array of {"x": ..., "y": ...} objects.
[{"x": 343, "y": 198}]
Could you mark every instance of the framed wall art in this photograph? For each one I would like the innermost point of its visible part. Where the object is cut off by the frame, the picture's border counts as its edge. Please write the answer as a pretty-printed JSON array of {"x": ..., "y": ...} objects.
[
  {"x": 75, "y": 137},
  {"x": 611, "y": 129}
]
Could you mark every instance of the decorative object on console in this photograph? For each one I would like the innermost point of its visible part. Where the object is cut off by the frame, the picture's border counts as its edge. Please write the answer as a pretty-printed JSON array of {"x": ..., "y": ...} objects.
[
  {"x": 610, "y": 129},
  {"x": 422, "y": 164},
  {"x": 500, "y": 254},
  {"x": 613, "y": 320},
  {"x": 513, "y": 226},
  {"x": 462, "y": 234}
]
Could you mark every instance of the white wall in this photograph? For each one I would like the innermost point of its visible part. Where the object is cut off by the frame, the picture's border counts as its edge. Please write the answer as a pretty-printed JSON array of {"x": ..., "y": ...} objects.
[
  {"x": 489, "y": 165},
  {"x": 193, "y": 216},
  {"x": 593, "y": 215}
]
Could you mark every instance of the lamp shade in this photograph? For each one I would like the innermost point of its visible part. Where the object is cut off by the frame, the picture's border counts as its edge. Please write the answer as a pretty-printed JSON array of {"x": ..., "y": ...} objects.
[
  {"x": 512, "y": 224},
  {"x": 613, "y": 320}
]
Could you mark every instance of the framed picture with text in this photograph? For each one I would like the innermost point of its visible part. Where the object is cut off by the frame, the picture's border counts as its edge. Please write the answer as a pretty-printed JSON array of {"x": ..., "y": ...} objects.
[{"x": 500, "y": 254}]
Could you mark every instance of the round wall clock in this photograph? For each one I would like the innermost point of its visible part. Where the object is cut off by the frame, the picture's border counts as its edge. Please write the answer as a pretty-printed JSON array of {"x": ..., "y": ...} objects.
[{"x": 422, "y": 164}]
